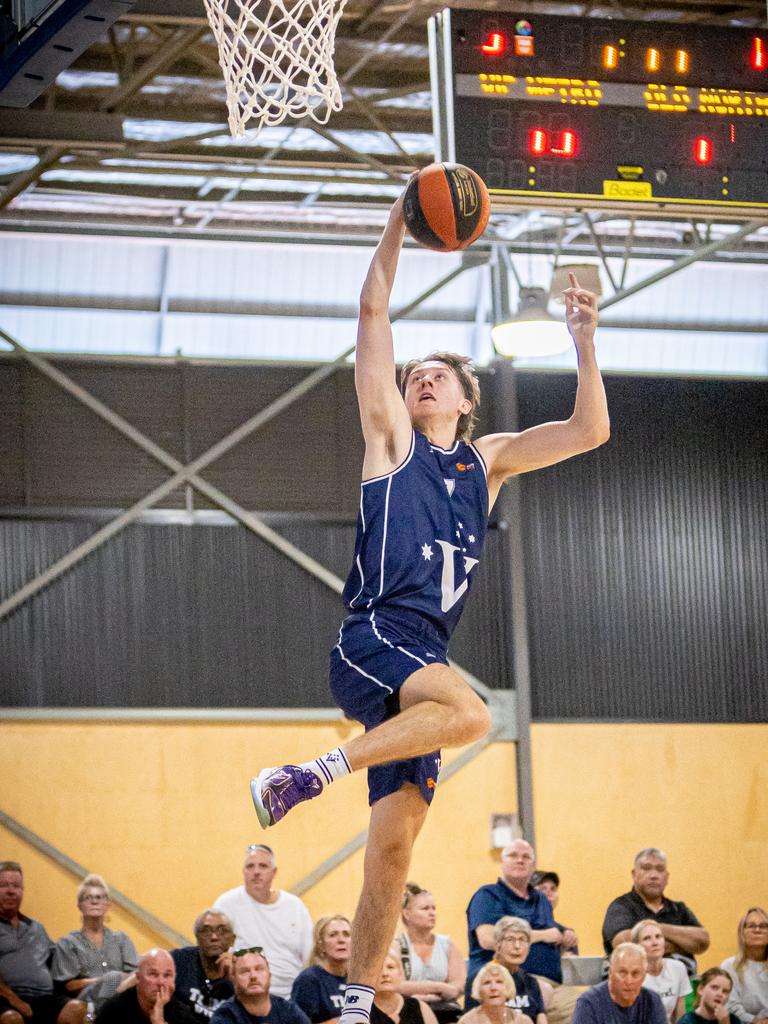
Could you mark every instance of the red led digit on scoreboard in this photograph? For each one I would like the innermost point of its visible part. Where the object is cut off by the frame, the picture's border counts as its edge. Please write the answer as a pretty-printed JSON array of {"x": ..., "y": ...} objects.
[
  {"x": 759, "y": 58},
  {"x": 702, "y": 150},
  {"x": 565, "y": 144},
  {"x": 494, "y": 45}
]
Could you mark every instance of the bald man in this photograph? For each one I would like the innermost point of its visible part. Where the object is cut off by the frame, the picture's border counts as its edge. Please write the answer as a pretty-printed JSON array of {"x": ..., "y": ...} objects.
[
  {"x": 512, "y": 895},
  {"x": 151, "y": 999},
  {"x": 621, "y": 999}
]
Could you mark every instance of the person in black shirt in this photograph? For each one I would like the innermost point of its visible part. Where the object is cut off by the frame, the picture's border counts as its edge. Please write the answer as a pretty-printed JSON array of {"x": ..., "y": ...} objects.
[
  {"x": 683, "y": 933},
  {"x": 202, "y": 971},
  {"x": 152, "y": 999}
]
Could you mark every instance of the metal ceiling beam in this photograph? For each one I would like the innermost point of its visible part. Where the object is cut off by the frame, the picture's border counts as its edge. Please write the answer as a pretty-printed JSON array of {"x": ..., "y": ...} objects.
[
  {"x": 189, "y": 474},
  {"x": 685, "y": 261}
]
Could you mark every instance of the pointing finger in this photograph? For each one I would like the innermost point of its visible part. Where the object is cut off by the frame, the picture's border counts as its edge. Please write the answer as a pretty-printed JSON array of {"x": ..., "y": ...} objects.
[{"x": 572, "y": 279}]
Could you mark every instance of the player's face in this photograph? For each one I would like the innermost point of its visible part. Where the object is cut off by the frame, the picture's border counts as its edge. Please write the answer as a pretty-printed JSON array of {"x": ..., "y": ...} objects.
[
  {"x": 714, "y": 994},
  {"x": 421, "y": 911},
  {"x": 94, "y": 902},
  {"x": 391, "y": 974},
  {"x": 259, "y": 870},
  {"x": 512, "y": 949},
  {"x": 154, "y": 974},
  {"x": 550, "y": 891},
  {"x": 652, "y": 941},
  {"x": 433, "y": 392},
  {"x": 650, "y": 876},
  {"x": 625, "y": 979},
  {"x": 491, "y": 990},
  {"x": 214, "y": 936},
  {"x": 251, "y": 975},
  {"x": 11, "y": 893},
  {"x": 517, "y": 863},
  {"x": 336, "y": 940}
]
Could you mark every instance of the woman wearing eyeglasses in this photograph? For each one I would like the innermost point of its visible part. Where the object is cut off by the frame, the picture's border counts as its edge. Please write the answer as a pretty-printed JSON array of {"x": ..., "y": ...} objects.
[
  {"x": 749, "y": 969},
  {"x": 93, "y": 961}
]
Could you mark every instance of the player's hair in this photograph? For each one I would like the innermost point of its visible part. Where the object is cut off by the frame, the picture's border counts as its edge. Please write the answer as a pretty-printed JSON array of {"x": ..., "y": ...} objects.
[
  {"x": 214, "y": 913},
  {"x": 651, "y": 851},
  {"x": 411, "y": 891},
  {"x": 639, "y": 928},
  {"x": 92, "y": 882},
  {"x": 511, "y": 924},
  {"x": 318, "y": 935},
  {"x": 10, "y": 865},
  {"x": 631, "y": 948},
  {"x": 464, "y": 371},
  {"x": 704, "y": 980},
  {"x": 741, "y": 957},
  {"x": 493, "y": 969}
]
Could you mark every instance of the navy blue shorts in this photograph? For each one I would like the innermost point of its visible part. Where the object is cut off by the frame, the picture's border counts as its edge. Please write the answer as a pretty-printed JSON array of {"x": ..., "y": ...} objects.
[{"x": 374, "y": 655}]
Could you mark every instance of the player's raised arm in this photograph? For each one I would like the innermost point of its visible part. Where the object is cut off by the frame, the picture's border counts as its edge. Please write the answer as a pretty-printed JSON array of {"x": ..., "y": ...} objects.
[
  {"x": 588, "y": 425},
  {"x": 385, "y": 421}
]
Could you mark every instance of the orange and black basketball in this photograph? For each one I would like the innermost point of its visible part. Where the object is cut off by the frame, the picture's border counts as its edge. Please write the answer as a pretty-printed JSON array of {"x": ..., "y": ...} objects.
[{"x": 446, "y": 207}]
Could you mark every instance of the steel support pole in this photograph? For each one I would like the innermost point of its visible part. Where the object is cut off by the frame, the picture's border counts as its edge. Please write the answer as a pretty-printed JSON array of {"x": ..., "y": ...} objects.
[{"x": 510, "y": 512}]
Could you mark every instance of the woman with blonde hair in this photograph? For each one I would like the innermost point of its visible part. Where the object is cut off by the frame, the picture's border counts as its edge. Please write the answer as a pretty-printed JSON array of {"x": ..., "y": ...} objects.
[
  {"x": 319, "y": 989},
  {"x": 666, "y": 977},
  {"x": 748, "y": 970},
  {"x": 390, "y": 1006},
  {"x": 93, "y": 961},
  {"x": 493, "y": 988},
  {"x": 433, "y": 967}
]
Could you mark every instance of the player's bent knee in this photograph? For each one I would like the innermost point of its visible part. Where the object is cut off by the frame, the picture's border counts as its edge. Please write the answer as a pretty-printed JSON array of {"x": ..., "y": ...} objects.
[
  {"x": 476, "y": 720},
  {"x": 11, "y": 1017}
]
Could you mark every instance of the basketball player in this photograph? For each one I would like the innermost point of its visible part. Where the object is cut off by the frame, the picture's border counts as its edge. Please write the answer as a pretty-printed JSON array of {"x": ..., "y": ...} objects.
[{"x": 426, "y": 494}]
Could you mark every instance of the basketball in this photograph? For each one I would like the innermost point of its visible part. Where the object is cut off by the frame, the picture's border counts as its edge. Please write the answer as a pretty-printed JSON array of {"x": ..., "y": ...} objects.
[{"x": 446, "y": 207}]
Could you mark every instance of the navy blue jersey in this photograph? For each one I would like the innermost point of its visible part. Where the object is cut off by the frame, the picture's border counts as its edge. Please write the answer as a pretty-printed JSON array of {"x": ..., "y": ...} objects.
[{"x": 420, "y": 534}]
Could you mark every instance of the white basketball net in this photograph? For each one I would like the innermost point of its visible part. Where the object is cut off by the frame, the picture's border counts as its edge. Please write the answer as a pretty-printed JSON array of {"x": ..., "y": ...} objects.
[{"x": 277, "y": 59}]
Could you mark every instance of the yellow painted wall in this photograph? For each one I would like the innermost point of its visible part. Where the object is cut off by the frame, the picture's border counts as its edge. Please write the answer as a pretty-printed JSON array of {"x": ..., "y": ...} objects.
[
  {"x": 163, "y": 811},
  {"x": 699, "y": 792}
]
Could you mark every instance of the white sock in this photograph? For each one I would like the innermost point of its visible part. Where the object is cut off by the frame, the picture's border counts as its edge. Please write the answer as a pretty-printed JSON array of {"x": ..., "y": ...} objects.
[
  {"x": 358, "y": 1000},
  {"x": 330, "y": 766}
]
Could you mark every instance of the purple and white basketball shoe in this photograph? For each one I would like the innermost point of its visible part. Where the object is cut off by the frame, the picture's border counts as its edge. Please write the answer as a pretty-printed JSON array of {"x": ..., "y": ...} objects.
[{"x": 276, "y": 790}]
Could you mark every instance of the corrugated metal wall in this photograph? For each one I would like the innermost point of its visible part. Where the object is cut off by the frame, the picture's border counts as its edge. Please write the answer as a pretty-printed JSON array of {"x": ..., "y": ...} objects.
[
  {"x": 646, "y": 560},
  {"x": 167, "y": 615}
]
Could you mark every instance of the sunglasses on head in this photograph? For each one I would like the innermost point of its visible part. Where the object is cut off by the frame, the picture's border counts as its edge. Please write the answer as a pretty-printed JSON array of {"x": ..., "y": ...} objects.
[{"x": 251, "y": 949}]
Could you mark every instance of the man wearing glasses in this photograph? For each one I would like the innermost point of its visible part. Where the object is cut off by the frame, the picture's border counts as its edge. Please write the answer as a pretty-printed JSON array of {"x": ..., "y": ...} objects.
[
  {"x": 253, "y": 1003},
  {"x": 202, "y": 971},
  {"x": 271, "y": 918}
]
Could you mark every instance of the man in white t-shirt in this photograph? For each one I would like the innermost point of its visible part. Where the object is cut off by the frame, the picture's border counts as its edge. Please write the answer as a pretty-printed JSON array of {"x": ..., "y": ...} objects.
[{"x": 271, "y": 918}]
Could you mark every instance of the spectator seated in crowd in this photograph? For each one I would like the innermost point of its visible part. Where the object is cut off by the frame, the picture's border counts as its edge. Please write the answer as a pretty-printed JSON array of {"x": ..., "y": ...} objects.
[
  {"x": 151, "y": 998},
  {"x": 93, "y": 961},
  {"x": 493, "y": 990},
  {"x": 319, "y": 989},
  {"x": 711, "y": 1001},
  {"x": 253, "y": 1001},
  {"x": 389, "y": 1004},
  {"x": 433, "y": 967},
  {"x": 202, "y": 971},
  {"x": 271, "y": 918},
  {"x": 513, "y": 940},
  {"x": 26, "y": 984},
  {"x": 548, "y": 882},
  {"x": 621, "y": 999},
  {"x": 684, "y": 935},
  {"x": 667, "y": 978},
  {"x": 749, "y": 969},
  {"x": 513, "y": 895}
]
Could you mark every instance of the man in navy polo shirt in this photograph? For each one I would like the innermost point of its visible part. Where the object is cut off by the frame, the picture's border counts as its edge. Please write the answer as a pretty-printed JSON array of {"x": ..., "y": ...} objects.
[{"x": 513, "y": 895}]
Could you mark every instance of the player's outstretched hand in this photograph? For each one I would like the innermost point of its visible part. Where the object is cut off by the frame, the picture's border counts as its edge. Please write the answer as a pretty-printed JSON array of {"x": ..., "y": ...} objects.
[{"x": 580, "y": 311}]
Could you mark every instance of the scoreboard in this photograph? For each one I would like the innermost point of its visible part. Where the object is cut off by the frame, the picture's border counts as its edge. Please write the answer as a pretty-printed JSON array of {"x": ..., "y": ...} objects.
[{"x": 597, "y": 112}]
